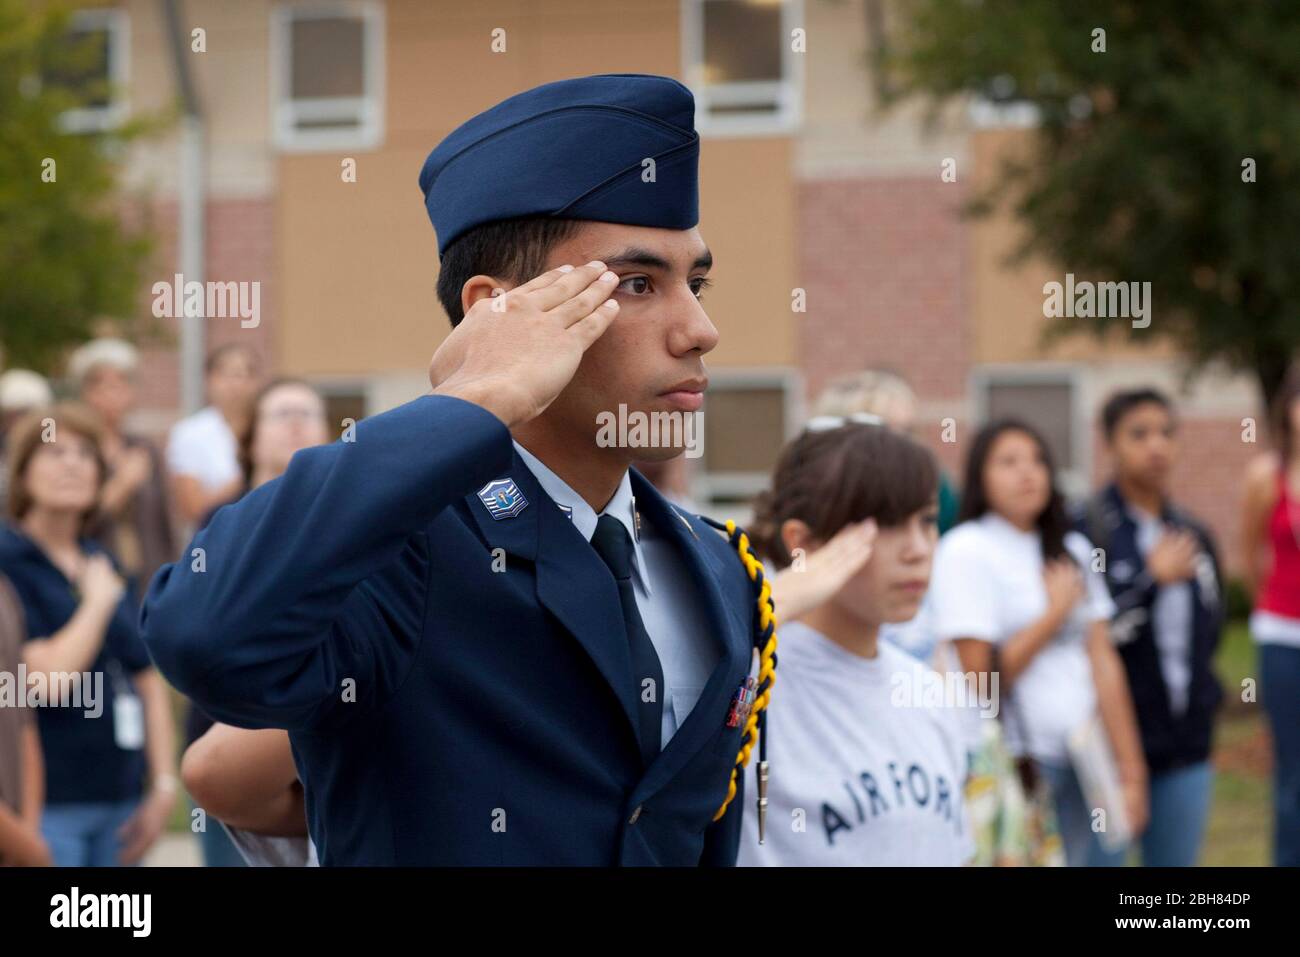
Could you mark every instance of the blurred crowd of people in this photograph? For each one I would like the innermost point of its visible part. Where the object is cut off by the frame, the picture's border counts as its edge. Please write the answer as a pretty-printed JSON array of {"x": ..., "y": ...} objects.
[
  {"x": 1100, "y": 620},
  {"x": 91, "y": 513}
]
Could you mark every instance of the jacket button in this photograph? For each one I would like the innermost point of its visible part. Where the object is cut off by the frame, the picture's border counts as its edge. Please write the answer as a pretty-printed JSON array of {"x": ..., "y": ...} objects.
[{"x": 635, "y": 814}]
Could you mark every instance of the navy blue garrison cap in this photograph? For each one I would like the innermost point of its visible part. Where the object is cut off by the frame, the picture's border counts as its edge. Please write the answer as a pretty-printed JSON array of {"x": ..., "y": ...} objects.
[{"x": 574, "y": 149}]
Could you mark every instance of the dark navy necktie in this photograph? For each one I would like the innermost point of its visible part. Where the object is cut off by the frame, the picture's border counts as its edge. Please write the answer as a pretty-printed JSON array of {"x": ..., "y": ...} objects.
[{"x": 614, "y": 545}]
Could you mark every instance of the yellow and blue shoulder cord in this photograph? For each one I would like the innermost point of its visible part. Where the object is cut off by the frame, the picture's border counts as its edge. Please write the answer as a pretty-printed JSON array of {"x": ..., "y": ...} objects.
[{"x": 765, "y": 642}]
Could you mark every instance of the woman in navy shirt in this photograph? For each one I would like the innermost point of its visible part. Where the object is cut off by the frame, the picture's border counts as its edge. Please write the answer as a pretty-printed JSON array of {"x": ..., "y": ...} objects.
[{"x": 113, "y": 726}]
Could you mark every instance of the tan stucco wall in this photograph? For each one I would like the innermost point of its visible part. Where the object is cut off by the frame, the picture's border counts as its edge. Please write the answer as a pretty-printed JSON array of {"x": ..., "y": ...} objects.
[{"x": 356, "y": 263}]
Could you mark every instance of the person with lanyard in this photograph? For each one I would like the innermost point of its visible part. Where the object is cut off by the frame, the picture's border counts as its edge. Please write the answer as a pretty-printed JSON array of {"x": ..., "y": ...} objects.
[
  {"x": 1163, "y": 574},
  {"x": 1270, "y": 547},
  {"x": 872, "y": 772},
  {"x": 475, "y": 620},
  {"x": 82, "y": 637}
]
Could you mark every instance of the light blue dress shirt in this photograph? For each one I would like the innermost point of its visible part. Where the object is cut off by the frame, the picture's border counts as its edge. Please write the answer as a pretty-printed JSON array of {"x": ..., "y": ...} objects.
[{"x": 671, "y": 607}]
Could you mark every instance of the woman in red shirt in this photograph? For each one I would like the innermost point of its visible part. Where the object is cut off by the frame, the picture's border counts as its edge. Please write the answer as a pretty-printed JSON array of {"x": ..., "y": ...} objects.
[{"x": 1271, "y": 547}]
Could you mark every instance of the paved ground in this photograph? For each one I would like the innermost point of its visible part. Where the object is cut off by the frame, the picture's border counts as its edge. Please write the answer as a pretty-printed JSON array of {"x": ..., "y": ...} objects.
[{"x": 174, "y": 850}]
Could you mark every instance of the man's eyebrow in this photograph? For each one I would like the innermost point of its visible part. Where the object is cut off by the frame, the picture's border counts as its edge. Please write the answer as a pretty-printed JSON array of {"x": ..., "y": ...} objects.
[{"x": 637, "y": 256}]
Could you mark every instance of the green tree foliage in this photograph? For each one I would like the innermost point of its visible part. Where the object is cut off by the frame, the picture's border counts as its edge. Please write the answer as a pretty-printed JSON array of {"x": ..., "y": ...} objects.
[
  {"x": 66, "y": 259},
  {"x": 1139, "y": 165}
]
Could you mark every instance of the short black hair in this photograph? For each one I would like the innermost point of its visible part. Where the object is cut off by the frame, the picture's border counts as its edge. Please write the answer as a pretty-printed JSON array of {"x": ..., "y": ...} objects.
[
  {"x": 513, "y": 249},
  {"x": 1122, "y": 403}
]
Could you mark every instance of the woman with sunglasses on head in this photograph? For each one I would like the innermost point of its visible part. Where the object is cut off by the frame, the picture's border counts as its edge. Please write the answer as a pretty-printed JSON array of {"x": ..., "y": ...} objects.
[
  {"x": 1013, "y": 585},
  {"x": 867, "y": 773}
]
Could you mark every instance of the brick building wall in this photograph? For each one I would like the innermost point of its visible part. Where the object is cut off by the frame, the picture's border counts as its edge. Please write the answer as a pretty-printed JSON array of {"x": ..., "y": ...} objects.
[{"x": 884, "y": 265}]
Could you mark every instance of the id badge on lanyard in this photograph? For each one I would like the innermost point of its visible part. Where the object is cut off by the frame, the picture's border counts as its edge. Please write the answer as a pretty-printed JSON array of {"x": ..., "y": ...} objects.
[{"x": 128, "y": 711}]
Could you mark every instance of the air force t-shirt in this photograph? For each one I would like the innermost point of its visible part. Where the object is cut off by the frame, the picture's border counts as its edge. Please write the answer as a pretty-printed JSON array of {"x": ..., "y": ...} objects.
[{"x": 857, "y": 780}]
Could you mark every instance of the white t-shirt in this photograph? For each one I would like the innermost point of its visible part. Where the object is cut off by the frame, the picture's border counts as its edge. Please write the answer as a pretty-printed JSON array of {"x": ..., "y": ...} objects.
[
  {"x": 1268, "y": 628},
  {"x": 855, "y": 780},
  {"x": 988, "y": 584},
  {"x": 263, "y": 850},
  {"x": 203, "y": 447},
  {"x": 914, "y": 636}
]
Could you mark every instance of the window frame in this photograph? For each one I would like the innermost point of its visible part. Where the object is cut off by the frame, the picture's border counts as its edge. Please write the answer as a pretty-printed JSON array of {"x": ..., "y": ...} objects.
[
  {"x": 707, "y": 486},
  {"x": 1077, "y": 479},
  {"x": 984, "y": 113},
  {"x": 286, "y": 112},
  {"x": 335, "y": 387},
  {"x": 97, "y": 119},
  {"x": 788, "y": 90}
]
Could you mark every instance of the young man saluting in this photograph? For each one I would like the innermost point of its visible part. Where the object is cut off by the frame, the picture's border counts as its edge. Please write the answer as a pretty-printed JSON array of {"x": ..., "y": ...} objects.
[{"x": 490, "y": 640}]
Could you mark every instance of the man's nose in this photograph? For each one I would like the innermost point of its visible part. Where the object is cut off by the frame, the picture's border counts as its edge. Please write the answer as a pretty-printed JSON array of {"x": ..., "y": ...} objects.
[{"x": 691, "y": 329}]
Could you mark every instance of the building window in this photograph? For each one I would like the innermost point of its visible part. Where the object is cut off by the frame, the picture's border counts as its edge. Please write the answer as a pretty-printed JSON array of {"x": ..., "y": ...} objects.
[
  {"x": 747, "y": 419},
  {"x": 95, "y": 70},
  {"x": 1051, "y": 402},
  {"x": 328, "y": 75},
  {"x": 1000, "y": 104},
  {"x": 343, "y": 401},
  {"x": 740, "y": 64}
]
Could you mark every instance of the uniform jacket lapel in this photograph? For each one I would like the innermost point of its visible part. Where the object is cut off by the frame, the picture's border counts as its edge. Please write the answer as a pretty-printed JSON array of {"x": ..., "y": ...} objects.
[
  {"x": 562, "y": 558},
  {"x": 543, "y": 535},
  {"x": 729, "y": 627}
]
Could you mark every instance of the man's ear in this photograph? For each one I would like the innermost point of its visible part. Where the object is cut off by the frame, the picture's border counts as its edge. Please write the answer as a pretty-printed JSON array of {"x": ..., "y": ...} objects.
[
  {"x": 481, "y": 287},
  {"x": 795, "y": 534}
]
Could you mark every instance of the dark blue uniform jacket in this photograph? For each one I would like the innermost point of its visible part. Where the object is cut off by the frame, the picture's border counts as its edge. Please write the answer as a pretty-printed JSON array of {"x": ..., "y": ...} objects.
[{"x": 441, "y": 711}]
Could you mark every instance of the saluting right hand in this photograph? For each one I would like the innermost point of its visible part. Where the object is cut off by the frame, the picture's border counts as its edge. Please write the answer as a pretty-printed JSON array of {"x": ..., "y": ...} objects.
[
  {"x": 803, "y": 586},
  {"x": 513, "y": 354},
  {"x": 99, "y": 583}
]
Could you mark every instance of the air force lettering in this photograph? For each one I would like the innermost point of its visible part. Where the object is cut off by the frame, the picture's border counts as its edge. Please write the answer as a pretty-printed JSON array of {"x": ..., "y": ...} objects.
[{"x": 863, "y": 781}]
